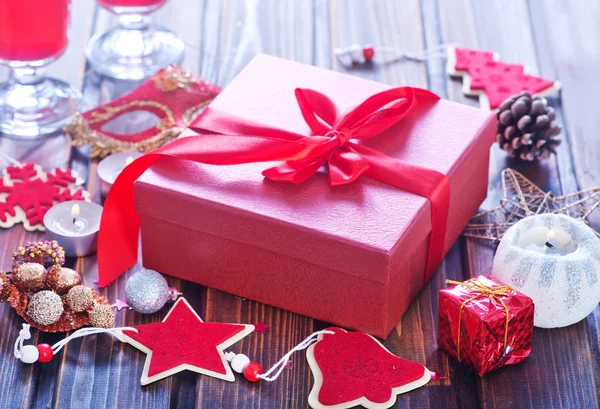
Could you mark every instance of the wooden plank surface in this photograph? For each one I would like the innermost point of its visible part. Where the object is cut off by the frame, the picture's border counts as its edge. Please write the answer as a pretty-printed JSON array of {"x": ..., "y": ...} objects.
[{"x": 554, "y": 38}]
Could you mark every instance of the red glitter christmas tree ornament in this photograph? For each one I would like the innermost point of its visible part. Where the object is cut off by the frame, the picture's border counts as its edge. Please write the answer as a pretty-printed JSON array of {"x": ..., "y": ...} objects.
[
  {"x": 182, "y": 341},
  {"x": 353, "y": 368},
  {"x": 27, "y": 193},
  {"x": 484, "y": 75}
]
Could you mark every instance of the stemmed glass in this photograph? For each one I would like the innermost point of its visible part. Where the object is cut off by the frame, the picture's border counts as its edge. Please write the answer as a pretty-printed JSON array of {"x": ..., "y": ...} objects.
[
  {"x": 136, "y": 48},
  {"x": 33, "y": 34}
]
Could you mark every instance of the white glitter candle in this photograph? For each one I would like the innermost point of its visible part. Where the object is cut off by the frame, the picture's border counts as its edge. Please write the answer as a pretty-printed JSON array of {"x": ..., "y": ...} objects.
[{"x": 555, "y": 260}]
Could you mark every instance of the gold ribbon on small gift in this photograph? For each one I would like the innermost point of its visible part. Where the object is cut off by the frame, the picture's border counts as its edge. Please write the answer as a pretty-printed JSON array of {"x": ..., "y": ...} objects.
[{"x": 481, "y": 290}]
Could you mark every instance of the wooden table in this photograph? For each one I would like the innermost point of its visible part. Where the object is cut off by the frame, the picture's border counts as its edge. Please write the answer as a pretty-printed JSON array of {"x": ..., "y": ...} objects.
[{"x": 558, "y": 39}]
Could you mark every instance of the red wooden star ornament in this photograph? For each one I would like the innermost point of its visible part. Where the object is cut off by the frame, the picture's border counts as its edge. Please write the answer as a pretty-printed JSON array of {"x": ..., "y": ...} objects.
[{"x": 183, "y": 341}]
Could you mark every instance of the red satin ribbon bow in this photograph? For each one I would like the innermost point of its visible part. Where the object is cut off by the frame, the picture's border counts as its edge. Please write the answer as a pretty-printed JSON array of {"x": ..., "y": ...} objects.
[{"x": 237, "y": 140}]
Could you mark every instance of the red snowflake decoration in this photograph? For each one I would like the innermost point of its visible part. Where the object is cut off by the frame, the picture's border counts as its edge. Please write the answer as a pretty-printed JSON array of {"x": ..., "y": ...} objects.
[{"x": 27, "y": 192}]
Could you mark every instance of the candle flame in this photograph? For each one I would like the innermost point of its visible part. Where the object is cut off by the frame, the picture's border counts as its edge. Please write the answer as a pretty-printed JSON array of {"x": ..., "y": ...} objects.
[
  {"x": 550, "y": 234},
  {"x": 75, "y": 210},
  {"x": 128, "y": 161}
]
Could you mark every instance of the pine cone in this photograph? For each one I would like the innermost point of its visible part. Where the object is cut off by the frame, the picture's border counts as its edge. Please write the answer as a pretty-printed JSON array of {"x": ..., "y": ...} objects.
[{"x": 525, "y": 129}]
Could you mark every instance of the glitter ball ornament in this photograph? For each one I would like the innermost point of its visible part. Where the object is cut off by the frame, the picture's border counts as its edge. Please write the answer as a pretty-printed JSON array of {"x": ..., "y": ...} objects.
[
  {"x": 555, "y": 260},
  {"x": 102, "y": 316},
  {"x": 45, "y": 307},
  {"x": 30, "y": 277},
  {"x": 4, "y": 287},
  {"x": 80, "y": 298},
  {"x": 146, "y": 291},
  {"x": 61, "y": 279},
  {"x": 45, "y": 252}
]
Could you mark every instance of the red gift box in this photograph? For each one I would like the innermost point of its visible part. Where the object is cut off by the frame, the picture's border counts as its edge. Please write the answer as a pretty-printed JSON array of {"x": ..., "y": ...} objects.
[
  {"x": 485, "y": 324},
  {"x": 353, "y": 255}
]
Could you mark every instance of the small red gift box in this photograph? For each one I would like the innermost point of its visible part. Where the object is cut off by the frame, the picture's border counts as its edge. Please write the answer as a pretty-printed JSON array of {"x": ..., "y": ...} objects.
[
  {"x": 485, "y": 324},
  {"x": 354, "y": 255}
]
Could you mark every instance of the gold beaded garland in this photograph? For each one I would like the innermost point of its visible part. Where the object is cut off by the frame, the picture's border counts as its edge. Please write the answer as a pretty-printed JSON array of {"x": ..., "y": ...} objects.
[
  {"x": 45, "y": 252},
  {"x": 4, "y": 287},
  {"x": 45, "y": 307},
  {"x": 62, "y": 279},
  {"x": 39, "y": 291},
  {"x": 102, "y": 316},
  {"x": 30, "y": 277},
  {"x": 80, "y": 298}
]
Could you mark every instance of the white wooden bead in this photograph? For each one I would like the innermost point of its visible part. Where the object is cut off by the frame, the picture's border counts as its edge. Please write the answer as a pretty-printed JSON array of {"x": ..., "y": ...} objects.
[
  {"x": 339, "y": 51},
  {"x": 29, "y": 354},
  {"x": 343, "y": 56},
  {"x": 356, "y": 52},
  {"x": 239, "y": 362}
]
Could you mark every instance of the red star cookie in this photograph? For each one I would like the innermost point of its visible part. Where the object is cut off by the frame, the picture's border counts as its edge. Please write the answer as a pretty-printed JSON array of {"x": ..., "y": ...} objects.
[
  {"x": 183, "y": 341},
  {"x": 353, "y": 368}
]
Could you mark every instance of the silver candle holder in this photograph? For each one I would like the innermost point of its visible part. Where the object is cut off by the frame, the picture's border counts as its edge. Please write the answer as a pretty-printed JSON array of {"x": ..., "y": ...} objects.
[
  {"x": 74, "y": 224},
  {"x": 111, "y": 167}
]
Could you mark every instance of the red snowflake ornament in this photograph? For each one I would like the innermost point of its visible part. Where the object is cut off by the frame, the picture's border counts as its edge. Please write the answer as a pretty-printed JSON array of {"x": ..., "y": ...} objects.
[
  {"x": 353, "y": 368},
  {"x": 484, "y": 75},
  {"x": 27, "y": 192}
]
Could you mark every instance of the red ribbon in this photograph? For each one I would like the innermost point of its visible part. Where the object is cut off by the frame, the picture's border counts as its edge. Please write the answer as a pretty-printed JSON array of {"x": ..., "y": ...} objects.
[{"x": 238, "y": 140}]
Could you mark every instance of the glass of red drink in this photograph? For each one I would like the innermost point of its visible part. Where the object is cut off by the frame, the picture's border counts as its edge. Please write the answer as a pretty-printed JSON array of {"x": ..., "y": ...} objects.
[
  {"x": 32, "y": 35},
  {"x": 135, "y": 48}
]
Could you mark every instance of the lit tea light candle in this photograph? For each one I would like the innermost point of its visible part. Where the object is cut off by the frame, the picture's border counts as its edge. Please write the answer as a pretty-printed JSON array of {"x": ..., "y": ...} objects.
[
  {"x": 111, "y": 167},
  {"x": 75, "y": 225},
  {"x": 78, "y": 224},
  {"x": 555, "y": 260},
  {"x": 549, "y": 241}
]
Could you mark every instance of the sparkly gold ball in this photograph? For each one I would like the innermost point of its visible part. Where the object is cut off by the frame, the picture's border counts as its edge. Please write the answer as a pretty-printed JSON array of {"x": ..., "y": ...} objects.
[
  {"x": 62, "y": 279},
  {"x": 30, "y": 277},
  {"x": 102, "y": 316},
  {"x": 80, "y": 298},
  {"x": 4, "y": 287},
  {"x": 45, "y": 307}
]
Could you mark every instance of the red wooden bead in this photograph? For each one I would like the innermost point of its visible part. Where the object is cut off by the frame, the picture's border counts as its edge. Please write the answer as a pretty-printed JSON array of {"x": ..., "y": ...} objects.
[
  {"x": 46, "y": 352},
  {"x": 252, "y": 370},
  {"x": 368, "y": 52}
]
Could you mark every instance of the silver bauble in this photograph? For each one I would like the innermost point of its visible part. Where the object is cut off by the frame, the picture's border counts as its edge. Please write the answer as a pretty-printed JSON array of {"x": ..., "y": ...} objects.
[{"x": 146, "y": 291}]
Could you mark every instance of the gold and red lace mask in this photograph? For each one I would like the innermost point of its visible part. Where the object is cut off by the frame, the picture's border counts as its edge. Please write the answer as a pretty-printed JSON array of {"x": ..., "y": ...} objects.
[{"x": 173, "y": 94}]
